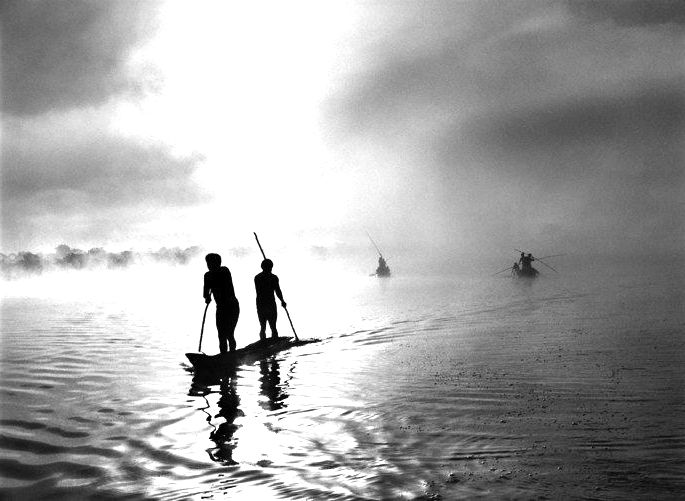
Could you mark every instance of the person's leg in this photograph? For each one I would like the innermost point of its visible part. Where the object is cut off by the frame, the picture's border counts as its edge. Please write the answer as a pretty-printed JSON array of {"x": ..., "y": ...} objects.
[
  {"x": 233, "y": 322},
  {"x": 262, "y": 323},
  {"x": 272, "y": 322},
  {"x": 221, "y": 328}
]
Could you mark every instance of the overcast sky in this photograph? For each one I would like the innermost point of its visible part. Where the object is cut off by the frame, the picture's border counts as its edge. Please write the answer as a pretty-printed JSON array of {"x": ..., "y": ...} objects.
[{"x": 443, "y": 128}]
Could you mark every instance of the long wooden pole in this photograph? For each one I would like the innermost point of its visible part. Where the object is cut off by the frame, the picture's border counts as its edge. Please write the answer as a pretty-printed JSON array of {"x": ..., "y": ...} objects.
[
  {"x": 260, "y": 245},
  {"x": 540, "y": 260},
  {"x": 285, "y": 308},
  {"x": 202, "y": 329},
  {"x": 374, "y": 244},
  {"x": 506, "y": 269}
]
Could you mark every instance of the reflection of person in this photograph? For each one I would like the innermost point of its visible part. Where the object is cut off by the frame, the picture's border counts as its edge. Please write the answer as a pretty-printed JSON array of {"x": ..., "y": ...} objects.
[
  {"x": 222, "y": 436},
  {"x": 218, "y": 283},
  {"x": 270, "y": 385},
  {"x": 266, "y": 285}
]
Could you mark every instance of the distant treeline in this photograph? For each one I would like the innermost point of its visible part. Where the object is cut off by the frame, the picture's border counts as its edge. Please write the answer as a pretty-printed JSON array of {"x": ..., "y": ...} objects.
[{"x": 66, "y": 257}]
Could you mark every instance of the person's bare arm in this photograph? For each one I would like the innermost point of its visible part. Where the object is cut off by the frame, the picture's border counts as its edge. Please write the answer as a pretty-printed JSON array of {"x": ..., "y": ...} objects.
[{"x": 278, "y": 292}]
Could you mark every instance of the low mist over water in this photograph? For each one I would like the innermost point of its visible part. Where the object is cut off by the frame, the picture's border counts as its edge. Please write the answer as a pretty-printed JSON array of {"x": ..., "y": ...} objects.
[
  {"x": 421, "y": 386},
  {"x": 23, "y": 263}
]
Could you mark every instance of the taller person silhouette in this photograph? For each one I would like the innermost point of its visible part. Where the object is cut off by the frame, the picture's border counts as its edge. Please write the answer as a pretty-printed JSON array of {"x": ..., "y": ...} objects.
[{"x": 219, "y": 283}]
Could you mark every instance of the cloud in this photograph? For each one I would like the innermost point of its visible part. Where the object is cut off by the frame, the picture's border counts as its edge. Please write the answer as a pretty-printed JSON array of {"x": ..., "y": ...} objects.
[
  {"x": 632, "y": 12},
  {"x": 99, "y": 168},
  {"x": 504, "y": 59},
  {"x": 74, "y": 171},
  {"x": 606, "y": 170},
  {"x": 533, "y": 123},
  {"x": 654, "y": 113},
  {"x": 70, "y": 53}
]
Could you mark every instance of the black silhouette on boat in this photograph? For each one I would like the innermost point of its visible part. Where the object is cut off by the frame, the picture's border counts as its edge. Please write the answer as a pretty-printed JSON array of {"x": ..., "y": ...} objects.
[
  {"x": 383, "y": 270},
  {"x": 523, "y": 268},
  {"x": 525, "y": 273},
  {"x": 249, "y": 354}
]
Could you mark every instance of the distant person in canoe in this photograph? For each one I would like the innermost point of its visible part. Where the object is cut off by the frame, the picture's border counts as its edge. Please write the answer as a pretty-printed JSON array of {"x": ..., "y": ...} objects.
[
  {"x": 515, "y": 269},
  {"x": 526, "y": 262},
  {"x": 266, "y": 285},
  {"x": 219, "y": 283}
]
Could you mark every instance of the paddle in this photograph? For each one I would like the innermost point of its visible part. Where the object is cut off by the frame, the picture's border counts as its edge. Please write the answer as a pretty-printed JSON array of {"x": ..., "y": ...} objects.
[
  {"x": 553, "y": 255},
  {"x": 286, "y": 309},
  {"x": 506, "y": 269},
  {"x": 202, "y": 329},
  {"x": 548, "y": 266}
]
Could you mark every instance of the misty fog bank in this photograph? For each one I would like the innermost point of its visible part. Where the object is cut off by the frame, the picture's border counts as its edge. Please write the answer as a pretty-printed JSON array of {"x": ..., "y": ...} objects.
[
  {"x": 24, "y": 263},
  {"x": 335, "y": 258}
]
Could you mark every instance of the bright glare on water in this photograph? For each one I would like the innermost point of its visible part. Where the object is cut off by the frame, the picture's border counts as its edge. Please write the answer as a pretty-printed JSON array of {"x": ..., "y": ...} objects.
[{"x": 450, "y": 387}]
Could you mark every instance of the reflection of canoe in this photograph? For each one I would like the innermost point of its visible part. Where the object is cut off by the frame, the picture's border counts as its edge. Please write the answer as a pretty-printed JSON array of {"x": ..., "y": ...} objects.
[{"x": 248, "y": 354}]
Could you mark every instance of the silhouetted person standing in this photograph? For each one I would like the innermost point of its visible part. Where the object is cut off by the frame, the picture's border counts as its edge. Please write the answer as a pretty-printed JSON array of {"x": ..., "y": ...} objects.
[
  {"x": 526, "y": 262},
  {"x": 218, "y": 282},
  {"x": 266, "y": 285}
]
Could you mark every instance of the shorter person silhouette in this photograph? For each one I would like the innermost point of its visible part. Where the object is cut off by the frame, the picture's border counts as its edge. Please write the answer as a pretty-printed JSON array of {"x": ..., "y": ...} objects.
[
  {"x": 266, "y": 285},
  {"x": 219, "y": 283}
]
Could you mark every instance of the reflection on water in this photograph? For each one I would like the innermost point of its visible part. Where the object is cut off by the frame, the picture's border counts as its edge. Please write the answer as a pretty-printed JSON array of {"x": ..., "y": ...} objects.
[
  {"x": 228, "y": 404},
  {"x": 421, "y": 388},
  {"x": 229, "y": 410},
  {"x": 271, "y": 386}
]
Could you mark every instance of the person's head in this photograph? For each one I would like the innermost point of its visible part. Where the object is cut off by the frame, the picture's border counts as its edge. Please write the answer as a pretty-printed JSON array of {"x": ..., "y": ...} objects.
[
  {"x": 267, "y": 265},
  {"x": 213, "y": 261},
  {"x": 530, "y": 255}
]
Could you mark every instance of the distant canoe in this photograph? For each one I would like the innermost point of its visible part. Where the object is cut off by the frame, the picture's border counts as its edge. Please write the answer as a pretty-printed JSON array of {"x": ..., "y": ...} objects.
[
  {"x": 383, "y": 272},
  {"x": 383, "y": 269},
  {"x": 249, "y": 354},
  {"x": 526, "y": 273}
]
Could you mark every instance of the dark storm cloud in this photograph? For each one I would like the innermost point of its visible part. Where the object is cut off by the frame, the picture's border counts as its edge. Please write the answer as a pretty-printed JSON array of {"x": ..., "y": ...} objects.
[
  {"x": 608, "y": 166},
  {"x": 536, "y": 121},
  {"x": 632, "y": 12},
  {"x": 94, "y": 172},
  {"x": 67, "y": 53},
  {"x": 656, "y": 113},
  {"x": 60, "y": 177},
  {"x": 508, "y": 55}
]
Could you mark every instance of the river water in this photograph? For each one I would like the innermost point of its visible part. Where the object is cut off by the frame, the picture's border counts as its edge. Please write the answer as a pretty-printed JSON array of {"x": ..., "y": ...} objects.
[{"x": 571, "y": 386}]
